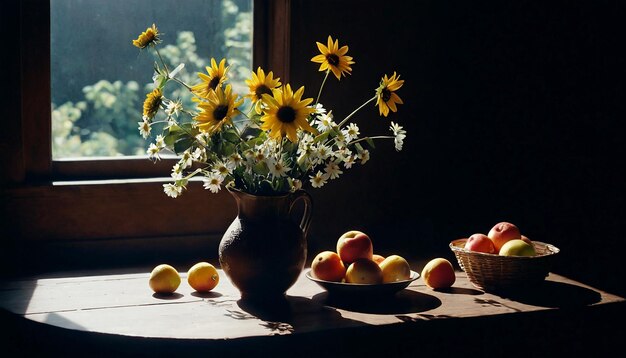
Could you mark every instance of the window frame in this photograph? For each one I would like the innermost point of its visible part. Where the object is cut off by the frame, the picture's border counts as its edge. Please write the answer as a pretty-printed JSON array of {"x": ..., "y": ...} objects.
[{"x": 48, "y": 199}]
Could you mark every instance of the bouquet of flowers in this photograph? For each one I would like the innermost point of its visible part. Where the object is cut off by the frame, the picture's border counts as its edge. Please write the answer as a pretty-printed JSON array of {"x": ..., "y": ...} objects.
[{"x": 281, "y": 142}]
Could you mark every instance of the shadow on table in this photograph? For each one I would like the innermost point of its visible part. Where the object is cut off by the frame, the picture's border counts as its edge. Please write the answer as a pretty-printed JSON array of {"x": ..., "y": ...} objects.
[
  {"x": 403, "y": 302},
  {"x": 553, "y": 295},
  {"x": 287, "y": 314}
]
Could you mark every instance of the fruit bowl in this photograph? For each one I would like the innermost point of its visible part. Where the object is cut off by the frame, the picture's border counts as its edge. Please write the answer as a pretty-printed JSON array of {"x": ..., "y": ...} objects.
[
  {"x": 492, "y": 272},
  {"x": 343, "y": 288}
]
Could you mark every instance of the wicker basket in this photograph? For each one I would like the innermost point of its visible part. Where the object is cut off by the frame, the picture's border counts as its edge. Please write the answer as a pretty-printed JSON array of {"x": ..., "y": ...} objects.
[{"x": 491, "y": 272}]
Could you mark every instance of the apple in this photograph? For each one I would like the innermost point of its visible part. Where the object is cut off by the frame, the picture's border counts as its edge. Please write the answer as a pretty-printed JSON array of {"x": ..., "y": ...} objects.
[
  {"x": 503, "y": 232},
  {"x": 364, "y": 271},
  {"x": 525, "y": 238},
  {"x": 378, "y": 258},
  {"x": 395, "y": 268},
  {"x": 327, "y": 265},
  {"x": 517, "y": 247},
  {"x": 480, "y": 243},
  {"x": 354, "y": 245},
  {"x": 438, "y": 273}
]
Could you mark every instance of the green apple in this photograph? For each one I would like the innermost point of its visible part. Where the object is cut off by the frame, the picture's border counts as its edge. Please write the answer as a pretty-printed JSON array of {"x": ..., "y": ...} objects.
[{"x": 517, "y": 247}]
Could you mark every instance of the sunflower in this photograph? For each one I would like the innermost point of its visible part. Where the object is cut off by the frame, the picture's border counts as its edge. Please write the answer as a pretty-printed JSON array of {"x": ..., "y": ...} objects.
[
  {"x": 386, "y": 97},
  {"x": 259, "y": 85},
  {"x": 216, "y": 75},
  {"x": 334, "y": 58},
  {"x": 148, "y": 37},
  {"x": 218, "y": 108},
  {"x": 152, "y": 103},
  {"x": 286, "y": 113}
]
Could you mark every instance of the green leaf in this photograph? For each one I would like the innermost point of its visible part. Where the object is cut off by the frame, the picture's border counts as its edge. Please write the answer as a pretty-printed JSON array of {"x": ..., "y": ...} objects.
[
  {"x": 370, "y": 141},
  {"x": 183, "y": 144},
  {"x": 322, "y": 137},
  {"x": 230, "y": 136}
]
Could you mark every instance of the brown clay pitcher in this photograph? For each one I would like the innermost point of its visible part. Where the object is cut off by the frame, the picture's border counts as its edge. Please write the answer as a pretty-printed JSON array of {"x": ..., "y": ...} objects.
[{"x": 264, "y": 249}]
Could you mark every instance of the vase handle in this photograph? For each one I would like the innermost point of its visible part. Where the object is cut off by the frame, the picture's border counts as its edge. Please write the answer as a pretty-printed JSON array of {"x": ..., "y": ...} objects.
[{"x": 308, "y": 208}]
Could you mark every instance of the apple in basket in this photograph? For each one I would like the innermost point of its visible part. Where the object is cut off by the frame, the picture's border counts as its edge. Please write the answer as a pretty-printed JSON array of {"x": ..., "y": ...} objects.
[
  {"x": 354, "y": 245},
  {"x": 480, "y": 243},
  {"x": 502, "y": 232},
  {"x": 517, "y": 247}
]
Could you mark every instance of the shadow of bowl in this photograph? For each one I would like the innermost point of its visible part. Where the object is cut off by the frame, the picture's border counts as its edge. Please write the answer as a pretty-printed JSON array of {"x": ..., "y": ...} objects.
[{"x": 405, "y": 301}]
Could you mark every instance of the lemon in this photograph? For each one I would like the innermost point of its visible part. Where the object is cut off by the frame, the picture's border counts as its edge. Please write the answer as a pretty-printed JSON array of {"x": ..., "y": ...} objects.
[
  {"x": 203, "y": 277},
  {"x": 164, "y": 279},
  {"x": 395, "y": 268}
]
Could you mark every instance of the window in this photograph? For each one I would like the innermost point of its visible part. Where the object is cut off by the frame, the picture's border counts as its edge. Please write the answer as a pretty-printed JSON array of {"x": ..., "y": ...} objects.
[
  {"x": 95, "y": 198},
  {"x": 99, "y": 80}
]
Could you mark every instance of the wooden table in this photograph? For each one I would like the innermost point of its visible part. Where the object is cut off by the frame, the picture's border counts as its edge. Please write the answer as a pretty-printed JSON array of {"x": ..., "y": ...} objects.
[{"x": 115, "y": 314}]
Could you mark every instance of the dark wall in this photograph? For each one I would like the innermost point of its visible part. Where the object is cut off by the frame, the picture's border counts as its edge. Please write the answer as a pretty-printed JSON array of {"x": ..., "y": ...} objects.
[{"x": 513, "y": 112}]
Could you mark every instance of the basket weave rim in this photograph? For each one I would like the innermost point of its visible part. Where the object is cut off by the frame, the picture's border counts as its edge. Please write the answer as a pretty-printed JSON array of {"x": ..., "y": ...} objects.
[{"x": 458, "y": 247}]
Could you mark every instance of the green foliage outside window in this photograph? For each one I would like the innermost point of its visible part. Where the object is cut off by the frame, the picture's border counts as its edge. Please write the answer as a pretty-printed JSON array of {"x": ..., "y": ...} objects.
[{"x": 104, "y": 121}]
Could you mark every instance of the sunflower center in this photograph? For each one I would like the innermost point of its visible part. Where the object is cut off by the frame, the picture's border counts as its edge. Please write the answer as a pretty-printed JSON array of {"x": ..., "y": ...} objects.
[
  {"x": 286, "y": 114},
  {"x": 386, "y": 95},
  {"x": 214, "y": 82},
  {"x": 332, "y": 59},
  {"x": 220, "y": 112},
  {"x": 261, "y": 90}
]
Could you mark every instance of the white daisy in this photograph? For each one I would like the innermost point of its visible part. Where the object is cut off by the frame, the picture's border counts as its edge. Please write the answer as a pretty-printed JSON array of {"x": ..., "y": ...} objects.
[
  {"x": 319, "y": 179},
  {"x": 213, "y": 182},
  {"x": 173, "y": 107},
  {"x": 221, "y": 168},
  {"x": 296, "y": 184},
  {"x": 278, "y": 168},
  {"x": 351, "y": 132},
  {"x": 153, "y": 151},
  {"x": 319, "y": 108},
  {"x": 233, "y": 161},
  {"x": 186, "y": 160},
  {"x": 364, "y": 156},
  {"x": 322, "y": 152},
  {"x": 349, "y": 161},
  {"x": 160, "y": 141},
  {"x": 325, "y": 122},
  {"x": 144, "y": 127},
  {"x": 399, "y": 134},
  {"x": 332, "y": 170},
  {"x": 172, "y": 190},
  {"x": 177, "y": 172}
]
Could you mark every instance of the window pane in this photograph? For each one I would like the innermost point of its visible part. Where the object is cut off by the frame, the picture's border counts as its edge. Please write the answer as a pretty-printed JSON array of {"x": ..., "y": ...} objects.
[{"x": 99, "y": 79}]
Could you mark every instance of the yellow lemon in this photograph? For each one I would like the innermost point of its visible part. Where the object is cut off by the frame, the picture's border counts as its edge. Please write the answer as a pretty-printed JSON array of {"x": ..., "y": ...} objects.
[
  {"x": 395, "y": 268},
  {"x": 164, "y": 279},
  {"x": 203, "y": 277}
]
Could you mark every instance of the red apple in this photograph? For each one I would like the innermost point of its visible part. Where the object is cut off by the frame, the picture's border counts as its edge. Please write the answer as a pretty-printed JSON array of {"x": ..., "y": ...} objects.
[
  {"x": 354, "y": 245},
  {"x": 502, "y": 232},
  {"x": 525, "y": 238},
  {"x": 480, "y": 243}
]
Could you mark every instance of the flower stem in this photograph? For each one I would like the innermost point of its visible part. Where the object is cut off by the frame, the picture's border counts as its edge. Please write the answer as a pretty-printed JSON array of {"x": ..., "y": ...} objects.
[
  {"x": 375, "y": 137},
  {"x": 322, "y": 87},
  {"x": 167, "y": 71},
  {"x": 182, "y": 83},
  {"x": 354, "y": 112}
]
